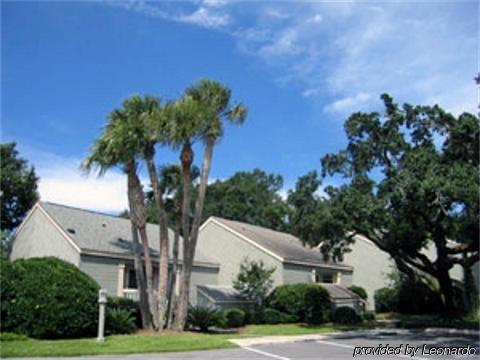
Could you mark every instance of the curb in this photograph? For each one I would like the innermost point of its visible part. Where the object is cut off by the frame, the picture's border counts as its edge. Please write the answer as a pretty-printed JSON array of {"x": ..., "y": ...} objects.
[
  {"x": 281, "y": 339},
  {"x": 276, "y": 339},
  {"x": 447, "y": 331}
]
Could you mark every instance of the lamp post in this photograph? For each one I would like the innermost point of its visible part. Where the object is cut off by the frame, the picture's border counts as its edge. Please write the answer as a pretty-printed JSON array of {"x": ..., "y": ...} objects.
[{"x": 102, "y": 300}]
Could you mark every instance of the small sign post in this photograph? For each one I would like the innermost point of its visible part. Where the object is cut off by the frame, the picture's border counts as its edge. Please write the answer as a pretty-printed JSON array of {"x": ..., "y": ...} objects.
[{"x": 102, "y": 301}]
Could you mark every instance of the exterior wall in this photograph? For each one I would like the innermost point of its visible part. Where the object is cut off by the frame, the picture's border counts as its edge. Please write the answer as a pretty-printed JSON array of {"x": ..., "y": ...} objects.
[
  {"x": 229, "y": 251},
  {"x": 293, "y": 274},
  {"x": 201, "y": 276},
  {"x": 38, "y": 237},
  {"x": 370, "y": 267},
  {"x": 103, "y": 270}
]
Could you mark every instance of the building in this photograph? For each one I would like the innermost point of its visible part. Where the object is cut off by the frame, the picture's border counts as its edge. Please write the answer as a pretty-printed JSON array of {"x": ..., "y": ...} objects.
[
  {"x": 98, "y": 244},
  {"x": 229, "y": 243}
]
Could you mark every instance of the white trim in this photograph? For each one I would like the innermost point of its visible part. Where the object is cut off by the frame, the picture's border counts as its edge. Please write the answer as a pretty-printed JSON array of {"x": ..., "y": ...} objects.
[
  {"x": 59, "y": 228},
  {"x": 120, "y": 278},
  {"x": 346, "y": 268},
  {"x": 243, "y": 237}
]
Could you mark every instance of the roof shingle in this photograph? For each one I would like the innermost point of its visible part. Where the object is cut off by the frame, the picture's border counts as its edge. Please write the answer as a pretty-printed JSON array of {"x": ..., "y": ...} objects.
[{"x": 93, "y": 231}]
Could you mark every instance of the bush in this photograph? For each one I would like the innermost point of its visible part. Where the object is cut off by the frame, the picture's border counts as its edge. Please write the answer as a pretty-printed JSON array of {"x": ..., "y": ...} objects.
[
  {"x": 204, "y": 318},
  {"x": 346, "y": 315},
  {"x": 368, "y": 316},
  {"x": 255, "y": 316},
  {"x": 415, "y": 297},
  {"x": 47, "y": 298},
  {"x": 289, "y": 299},
  {"x": 8, "y": 336},
  {"x": 119, "y": 321},
  {"x": 116, "y": 302},
  {"x": 234, "y": 317},
  {"x": 272, "y": 316},
  {"x": 384, "y": 299},
  {"x": 360, "y": 291},
  {"x": 408, "y": 297},
  {"x": 317, "y": 304}
]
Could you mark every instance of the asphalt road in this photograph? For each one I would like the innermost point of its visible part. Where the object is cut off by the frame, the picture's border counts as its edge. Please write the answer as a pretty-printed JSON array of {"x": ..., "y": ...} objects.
[{"x": 332, "y": 347}]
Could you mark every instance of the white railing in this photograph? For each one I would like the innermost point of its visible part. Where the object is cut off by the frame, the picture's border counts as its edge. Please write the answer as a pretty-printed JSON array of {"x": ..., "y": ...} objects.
[{"x": 131, "y": 294}]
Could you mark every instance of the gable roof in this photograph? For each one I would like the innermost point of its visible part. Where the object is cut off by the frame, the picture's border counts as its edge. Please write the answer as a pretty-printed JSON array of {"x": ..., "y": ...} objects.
[
  {"x": 108, "y": 235},
  {"x": 338, "y": 292},
  {"x": 222, "y": 294},
  {"x": 285, "y": 247}
]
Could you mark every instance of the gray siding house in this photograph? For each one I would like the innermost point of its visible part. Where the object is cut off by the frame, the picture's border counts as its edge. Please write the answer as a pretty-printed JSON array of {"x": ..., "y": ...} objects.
[
  {"x": 229, "y": 242},
  {"x": 98, "y": 244}
]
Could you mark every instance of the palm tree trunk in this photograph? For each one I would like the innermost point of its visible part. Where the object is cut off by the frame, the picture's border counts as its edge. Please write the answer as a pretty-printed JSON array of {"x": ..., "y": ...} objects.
[
  {"x": 163, "y": 258},
  {"x": 136, "y": 220},
  {"x": 142, "y": 293},
  {"x": 186, "y": 158},
  {"x": 138, "y": 215},
  {"x": 172, "y": 296},
  {"x": 190, "y": 246},
  {"x": 149, "y": 274}
]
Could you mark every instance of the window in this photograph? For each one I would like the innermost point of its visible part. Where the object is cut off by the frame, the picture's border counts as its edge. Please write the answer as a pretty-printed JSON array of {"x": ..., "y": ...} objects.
[
  {"x": 325, "y": 278},
  {"x": 130, "y": 279}
]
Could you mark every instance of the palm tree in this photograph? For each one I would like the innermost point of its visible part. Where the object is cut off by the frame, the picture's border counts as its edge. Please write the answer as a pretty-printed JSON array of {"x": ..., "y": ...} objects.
[
  {"x": 107, "y": 152},
  {"x": 147, "y": 114},
  {"x": 199, "y": 115},
  {"x": 171, "y": 186}
]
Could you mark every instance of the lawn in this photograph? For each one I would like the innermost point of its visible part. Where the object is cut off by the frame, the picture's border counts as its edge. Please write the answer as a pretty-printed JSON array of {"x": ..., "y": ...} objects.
[
  {"x": 119, "y": 344},
  {"x": 148, "y": 343},
  {"x": 297, "y": 329}
]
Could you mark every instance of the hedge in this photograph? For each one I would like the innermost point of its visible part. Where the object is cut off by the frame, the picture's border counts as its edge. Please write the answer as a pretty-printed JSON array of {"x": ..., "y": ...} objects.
[
  {"x": 304, "y": 302},
  {"x": 234, "y": 317},
  {"x": 346, "y": 315},
  {"x": 47, "y": 298}
]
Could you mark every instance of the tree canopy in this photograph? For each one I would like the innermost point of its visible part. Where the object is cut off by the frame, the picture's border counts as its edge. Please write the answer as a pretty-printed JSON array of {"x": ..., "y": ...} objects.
[
  {"x": 18, "y": 182},
  {"x": 248, "y": 196},
  {"x": 412, "y": 183}
]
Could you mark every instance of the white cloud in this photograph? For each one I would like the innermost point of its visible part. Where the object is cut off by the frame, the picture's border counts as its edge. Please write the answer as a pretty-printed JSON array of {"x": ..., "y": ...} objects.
[
  {"x": 315, "y": 19},
  {"x": 206, "y": 18},
  {"x": 61, "y": 181},
  {"x": 419, "y": 52},
  {"x": 214, "y": 3},
  {"x": 349, "y": 104},
  {"x": 310, "y": 92}
]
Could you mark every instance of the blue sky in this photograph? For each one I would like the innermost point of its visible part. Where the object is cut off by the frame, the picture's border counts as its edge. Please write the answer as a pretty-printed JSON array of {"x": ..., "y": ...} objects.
[{"x": 300, "y": 67}]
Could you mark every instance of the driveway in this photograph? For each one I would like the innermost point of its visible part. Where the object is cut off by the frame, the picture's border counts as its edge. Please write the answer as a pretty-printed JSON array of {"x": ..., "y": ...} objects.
[{"x": 341, "y": 346}]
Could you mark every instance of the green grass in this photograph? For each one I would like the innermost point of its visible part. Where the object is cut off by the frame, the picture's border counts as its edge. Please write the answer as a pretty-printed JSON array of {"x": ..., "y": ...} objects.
[
  {"x": 298, "y": 329},
  {"x": 121, "y": 344},
  {"x": 129, "y": 344}
]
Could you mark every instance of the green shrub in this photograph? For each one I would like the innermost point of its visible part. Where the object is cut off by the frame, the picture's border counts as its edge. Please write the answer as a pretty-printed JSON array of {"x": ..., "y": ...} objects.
[
  {"x": 234, "y": 317},
  {"x": 47, "y": 298},
  {"x": 415, "y": 297},
  {"x": 346, "y": 315},
  {"x": 360, "y": 291},
  {"x": 254, "y": 316},
  {"x": 204, "y": 318},
  {"x": 317, "y": 304},
  {"x": 116, "y": 302},
  {"x": 368, "y": 316},
  {"x": 289, "y": 299},
  {"x": 272, "y": 316},
  {"x": 9, "y": 336},
  {"x": 384, "y": 299},
  {"x": 119, "y": 321}
]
